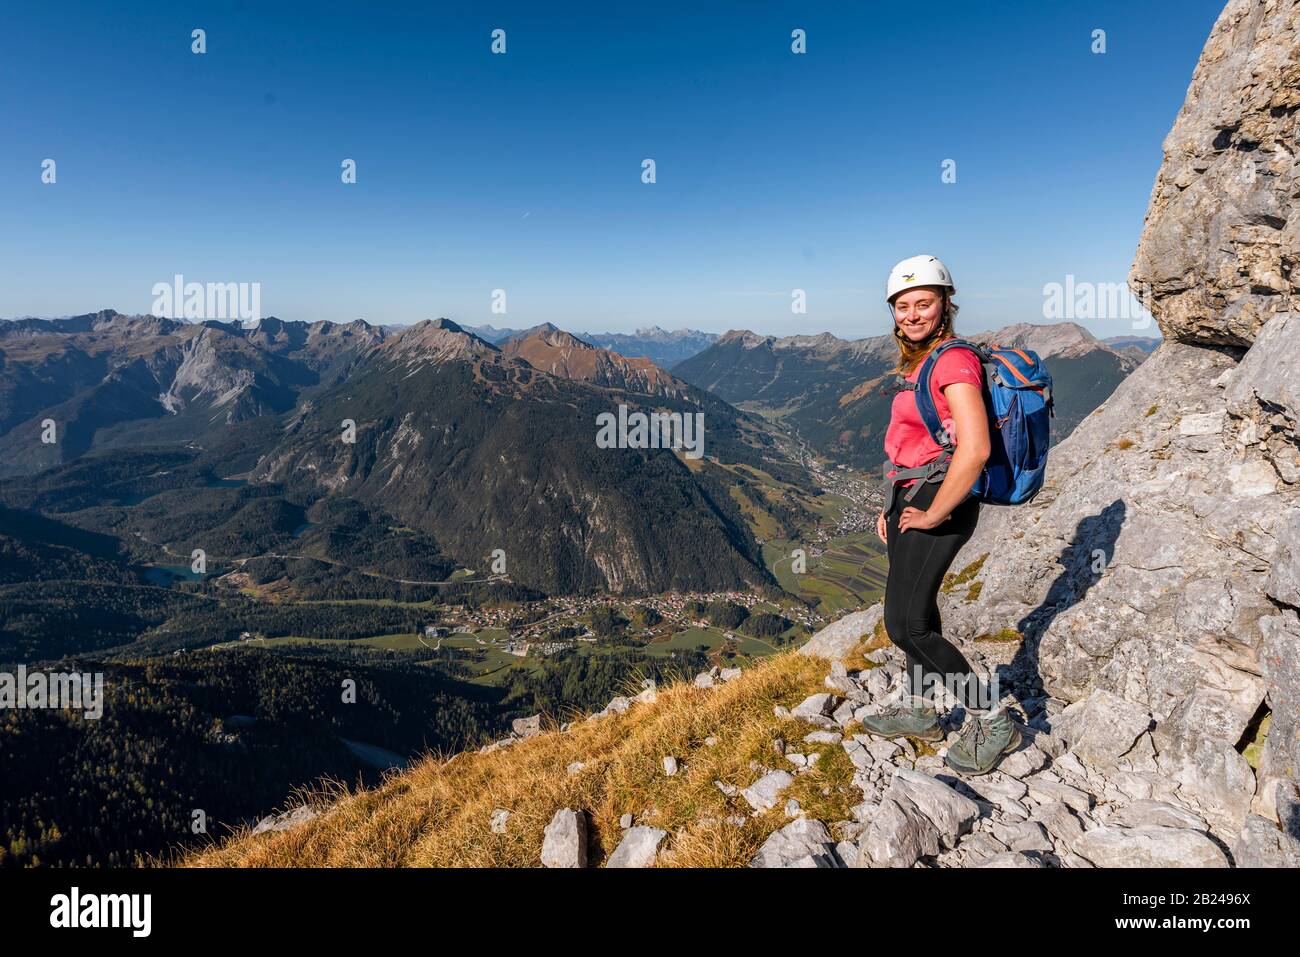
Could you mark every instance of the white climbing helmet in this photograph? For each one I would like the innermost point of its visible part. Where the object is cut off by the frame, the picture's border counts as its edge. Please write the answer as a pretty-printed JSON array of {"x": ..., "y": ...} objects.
[{"x": 918, "y": 271}]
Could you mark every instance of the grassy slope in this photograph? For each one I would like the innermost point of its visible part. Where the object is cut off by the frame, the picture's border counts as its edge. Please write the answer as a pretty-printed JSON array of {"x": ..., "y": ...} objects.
[{"x": 437, "y": 812}]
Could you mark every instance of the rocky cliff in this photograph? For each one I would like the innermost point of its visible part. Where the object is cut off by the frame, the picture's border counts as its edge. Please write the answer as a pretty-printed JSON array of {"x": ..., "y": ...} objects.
[{"x": 1158, "y": 573}]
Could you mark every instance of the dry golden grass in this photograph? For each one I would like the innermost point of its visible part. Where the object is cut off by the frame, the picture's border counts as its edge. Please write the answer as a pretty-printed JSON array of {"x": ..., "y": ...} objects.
[
  {"x": 856, "y": 659},
  {"x": 437, "y": 813},
  {"x": 953, "y": 580}
]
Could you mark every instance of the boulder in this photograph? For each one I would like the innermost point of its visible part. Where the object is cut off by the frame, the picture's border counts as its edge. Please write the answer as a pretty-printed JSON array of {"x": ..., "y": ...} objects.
[
  {"x": 1283, "y": 582},
  {"x": 847, "y": 852},
  {"x": 1003, "y": 791},
  {"x": 1045, "y": 791},
  {"x": 876, "y": 683},
  {"x": 764, "y": 793},
  {"x": 841, "y": 685},
  {"x": 286, "y": 819},
  {"x": 898, "y": 836},
  {"x": 638, "y": 848},
  {"x": 951, "y": 813},
  {"x": 917, "y": 817},
  {"x": 564, "y": 841},
  {"x": 1279, "y": 765},
  {"x": 1023, "y": 762},
  {"x": 1111, "y": 846},
  {"x": 862, "y": 758},
  {"x": 1056, "y": 817},
  {"x": 801, "y": 843},
  {"x": 822, "y": 737},
  {"x": 816, "y": 706},
  {"x": 527, "y": 727},
  {"x": 980, "y": 847},
  {"x": 1102, "y": 727},
  {"x": 1156, "y": 814},
  {"x": 1023, "y": 836},
  {"x": 1263, "y": 843},
  {"x": 843, "y": 715},
  {"x": 1212, "y": 777},
  {"x": 836, "y": 640}
]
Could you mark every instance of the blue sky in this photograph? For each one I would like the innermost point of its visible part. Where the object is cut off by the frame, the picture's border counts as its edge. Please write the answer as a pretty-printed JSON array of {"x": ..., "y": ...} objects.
[{"x": 522, "y": 171}]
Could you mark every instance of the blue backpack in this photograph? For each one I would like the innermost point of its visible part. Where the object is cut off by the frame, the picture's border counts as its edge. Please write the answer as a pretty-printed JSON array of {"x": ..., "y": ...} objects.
[{"x": 1018, "y": 397}]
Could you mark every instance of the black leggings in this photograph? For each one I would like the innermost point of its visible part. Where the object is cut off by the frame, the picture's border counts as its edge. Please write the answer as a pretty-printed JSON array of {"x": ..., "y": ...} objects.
[{"x": 918, "y": 560}]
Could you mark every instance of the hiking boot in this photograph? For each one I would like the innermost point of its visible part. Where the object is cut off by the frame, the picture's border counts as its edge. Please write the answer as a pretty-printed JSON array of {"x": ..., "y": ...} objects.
[
  {"x": 895, "y": 721},
  {"x": 982, "y": 743}
]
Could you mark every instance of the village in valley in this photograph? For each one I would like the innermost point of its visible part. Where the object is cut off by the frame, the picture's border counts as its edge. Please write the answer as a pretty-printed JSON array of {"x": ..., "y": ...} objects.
[{"x": 834, "y": 566}]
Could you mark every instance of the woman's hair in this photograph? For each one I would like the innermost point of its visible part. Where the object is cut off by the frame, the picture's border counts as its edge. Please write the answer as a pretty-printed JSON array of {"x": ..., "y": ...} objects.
[{"x": 912, "y": 354}]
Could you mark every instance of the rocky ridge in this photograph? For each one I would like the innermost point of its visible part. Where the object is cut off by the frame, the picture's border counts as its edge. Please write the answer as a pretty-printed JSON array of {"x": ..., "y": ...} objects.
[{"x": 1063, "y": 798}]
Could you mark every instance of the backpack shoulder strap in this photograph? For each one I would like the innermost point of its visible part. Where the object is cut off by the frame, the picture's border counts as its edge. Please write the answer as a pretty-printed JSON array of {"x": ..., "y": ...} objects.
[{"x": 925, "y": 402}]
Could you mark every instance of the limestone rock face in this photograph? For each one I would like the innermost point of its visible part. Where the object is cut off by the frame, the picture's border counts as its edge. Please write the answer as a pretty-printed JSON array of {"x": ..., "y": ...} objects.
[
  {"x": 1156, "y": 573},
  {"x": 1219, "y": 246}
]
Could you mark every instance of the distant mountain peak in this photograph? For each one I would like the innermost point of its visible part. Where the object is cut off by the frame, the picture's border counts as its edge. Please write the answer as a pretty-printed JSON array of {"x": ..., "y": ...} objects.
[
  {"x": 440, "y": 340},
  {"x": 555, "y": 336},
  {"x": 563, "y": 354},
  {"x": 746, "y": 338}
]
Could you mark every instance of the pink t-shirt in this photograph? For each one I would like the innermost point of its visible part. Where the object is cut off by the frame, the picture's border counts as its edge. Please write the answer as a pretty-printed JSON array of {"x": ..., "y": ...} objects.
[{"x": 907, "y": 442}]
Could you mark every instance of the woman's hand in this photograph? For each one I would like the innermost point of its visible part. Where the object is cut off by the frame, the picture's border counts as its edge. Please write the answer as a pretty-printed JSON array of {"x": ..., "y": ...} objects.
[
  {"x": 882, "y": 528},
  {"x": 917, "y": 519}
]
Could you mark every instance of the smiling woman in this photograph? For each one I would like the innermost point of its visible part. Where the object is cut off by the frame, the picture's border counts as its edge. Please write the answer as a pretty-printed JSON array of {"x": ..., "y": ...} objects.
[{"x": 925, "y": 528}]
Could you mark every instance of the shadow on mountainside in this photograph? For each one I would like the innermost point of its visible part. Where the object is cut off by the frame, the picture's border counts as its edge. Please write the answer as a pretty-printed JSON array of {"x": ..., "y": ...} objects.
[{"x": 1082, "y": 563}]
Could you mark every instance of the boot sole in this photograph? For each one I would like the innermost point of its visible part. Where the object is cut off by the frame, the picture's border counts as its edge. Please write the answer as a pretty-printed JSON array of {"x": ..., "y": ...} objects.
[
  {"x": 1011, "y": 746},
  {"x": 937, "y": 734}
]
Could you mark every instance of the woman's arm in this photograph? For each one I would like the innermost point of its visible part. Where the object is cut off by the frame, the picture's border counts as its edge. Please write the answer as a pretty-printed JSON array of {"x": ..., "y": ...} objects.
[{"x": 971, "y": 435}]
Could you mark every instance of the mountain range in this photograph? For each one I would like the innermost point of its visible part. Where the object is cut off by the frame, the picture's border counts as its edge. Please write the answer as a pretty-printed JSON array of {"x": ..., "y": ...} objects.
[
  {"x": 171, "y": 380},
  {"x": 473, "y": 445},
  {"x": 476, "y": 447}
]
